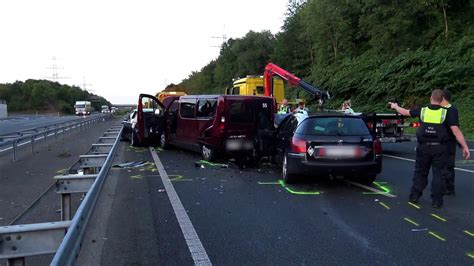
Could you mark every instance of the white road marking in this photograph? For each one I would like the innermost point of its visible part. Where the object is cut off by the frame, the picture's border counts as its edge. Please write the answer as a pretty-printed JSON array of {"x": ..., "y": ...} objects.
[
  {"x": 195, "y": 246},
  {"x": 411, "y": 160},
  {"x": 379, "y": 192}
]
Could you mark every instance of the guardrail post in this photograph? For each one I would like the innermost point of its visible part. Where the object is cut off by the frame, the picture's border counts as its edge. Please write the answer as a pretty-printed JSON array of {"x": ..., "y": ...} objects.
[
  {"x": 15, "y": 144},
  {"x": 45, "y": 144},
  {"x": 16, "y": 262},
  {"x": 33, "y": 144},
  {"x": 65, "y": 207}
]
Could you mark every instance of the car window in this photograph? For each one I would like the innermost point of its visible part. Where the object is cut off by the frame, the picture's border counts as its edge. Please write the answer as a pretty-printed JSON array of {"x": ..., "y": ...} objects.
[
  {"x": 241, "y": 112},
  {"x": 187, "y": 107},
  {"x": 333, "y": 126},
  {"x": 236, "y": 91},
  {"x": 260, "y": 90},
  {"x": 206, "y": 107}
]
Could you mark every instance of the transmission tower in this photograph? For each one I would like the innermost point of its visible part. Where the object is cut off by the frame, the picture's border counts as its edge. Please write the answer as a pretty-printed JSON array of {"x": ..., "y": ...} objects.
[
  {"x": 54, "y": 68},
  {"x": 223, "y": 37}
]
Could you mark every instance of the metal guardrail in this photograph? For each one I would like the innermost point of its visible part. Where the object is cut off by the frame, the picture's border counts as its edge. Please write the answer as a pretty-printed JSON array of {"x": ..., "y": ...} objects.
[
  {"x": 14, "y": 141},
  {"x": 64, "y": 238}
]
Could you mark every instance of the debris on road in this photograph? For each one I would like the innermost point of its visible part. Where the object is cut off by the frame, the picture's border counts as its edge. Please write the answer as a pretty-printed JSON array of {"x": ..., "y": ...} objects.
[
  {"x": 136, "y": 176},
  {"x": 161, "y": 190},
  {"x": 135, "y": 164},
  {"x": 204, "y": 163}
]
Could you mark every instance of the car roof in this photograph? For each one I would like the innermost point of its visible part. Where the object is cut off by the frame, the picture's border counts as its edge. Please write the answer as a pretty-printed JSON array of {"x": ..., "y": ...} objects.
[{"x": 331, "y": 113}]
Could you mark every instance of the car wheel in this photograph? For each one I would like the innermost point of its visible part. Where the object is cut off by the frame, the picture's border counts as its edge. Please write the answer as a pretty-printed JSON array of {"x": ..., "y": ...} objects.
[
  {"x": 207, "y": 153},
  {"x": 134, "y": 139},
  {"x": 288, "y": 178},
  {"x": 163, "y": 141},
  {"x": 368, "y": 180}
]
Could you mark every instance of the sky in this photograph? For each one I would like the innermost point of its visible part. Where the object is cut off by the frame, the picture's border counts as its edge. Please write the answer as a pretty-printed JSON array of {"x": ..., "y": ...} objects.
[{"x": 118, "y": 49}]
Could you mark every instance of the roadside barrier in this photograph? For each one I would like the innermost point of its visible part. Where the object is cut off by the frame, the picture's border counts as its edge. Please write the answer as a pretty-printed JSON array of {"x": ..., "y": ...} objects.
[
  {"x": 14, "y": 141},
  {"x": 64, "y": 238}
]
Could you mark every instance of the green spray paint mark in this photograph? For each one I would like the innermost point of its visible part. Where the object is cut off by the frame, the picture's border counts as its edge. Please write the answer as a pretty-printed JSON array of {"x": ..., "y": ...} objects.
[
  {"x": 380, "y": 186},
  {"x": 437, "y": 236},
  {"x": 411, "y": 221},
  {"x": 288, "y": 189},
  {"x": 179, "y": 178},
  {"x": 414, "y": 205},
  {"x": 465, "y": 162},
  {"x": 212, "y": 164},
  {"x": 61, "y": 171},
  {"x": 282, "y": 183},
  {"x": 136, "y": 177},
  {"x": 438, "y": 217},
  {"x": 384, "y": 205},
  {"x": 469, "y": 233},
  {"x": 268, "y": 183},
  {"x": 470, "y": 255}
]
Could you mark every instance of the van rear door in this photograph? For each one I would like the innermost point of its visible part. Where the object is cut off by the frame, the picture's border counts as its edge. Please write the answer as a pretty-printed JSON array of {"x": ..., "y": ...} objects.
[{"x": 250, "y": 119}]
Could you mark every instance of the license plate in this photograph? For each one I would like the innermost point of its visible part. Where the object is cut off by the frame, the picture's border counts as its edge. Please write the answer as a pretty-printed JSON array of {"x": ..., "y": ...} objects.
[
  {"x": 341, "y": 152},
  {"x": 237, "y": 145}
]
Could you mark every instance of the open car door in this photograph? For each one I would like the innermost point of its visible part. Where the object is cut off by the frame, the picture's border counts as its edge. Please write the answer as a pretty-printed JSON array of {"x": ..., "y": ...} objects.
[{"x": 150, "y": 122}]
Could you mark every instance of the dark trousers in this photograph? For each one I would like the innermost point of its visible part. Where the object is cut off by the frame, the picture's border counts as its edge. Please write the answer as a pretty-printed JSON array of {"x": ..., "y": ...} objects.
[
  {"x": 451, "y": 164},
  {"x": 426, "y": 156}
]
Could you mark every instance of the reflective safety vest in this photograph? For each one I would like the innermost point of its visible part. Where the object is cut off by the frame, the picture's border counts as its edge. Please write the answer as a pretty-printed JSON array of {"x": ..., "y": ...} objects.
[
  {"x": 284, "y": 109},
  {"x": 432, "y": 127}
]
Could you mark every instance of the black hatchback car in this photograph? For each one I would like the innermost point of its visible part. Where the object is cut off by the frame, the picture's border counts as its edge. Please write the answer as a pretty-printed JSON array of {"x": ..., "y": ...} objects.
[{"x": 328, "y": 144}]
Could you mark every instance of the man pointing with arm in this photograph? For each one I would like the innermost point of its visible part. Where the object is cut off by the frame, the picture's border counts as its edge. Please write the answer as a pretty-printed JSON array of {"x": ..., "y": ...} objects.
[{"x": 432, "y": 149}]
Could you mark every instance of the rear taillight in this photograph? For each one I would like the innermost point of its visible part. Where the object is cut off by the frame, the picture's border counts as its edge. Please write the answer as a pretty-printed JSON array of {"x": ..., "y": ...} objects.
[
  {"x": 377, "y": 146},
  {"x": 298, "y": 145},
  {"x": 415, "y": 124},
  {"x": 370, "y": 125},
  {"x": 385, "y": 122},
  {"x": 222, "y": 125}
]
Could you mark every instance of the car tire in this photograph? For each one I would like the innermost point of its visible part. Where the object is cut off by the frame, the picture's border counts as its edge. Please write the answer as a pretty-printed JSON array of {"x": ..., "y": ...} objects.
[
  {"x": 134, "y": 139},
  {"x": 368, "y": 180},
  {"x": 164, "y": 141},
  {"x": 288, "y": 178},
  {"x": 207, "y": 153}
]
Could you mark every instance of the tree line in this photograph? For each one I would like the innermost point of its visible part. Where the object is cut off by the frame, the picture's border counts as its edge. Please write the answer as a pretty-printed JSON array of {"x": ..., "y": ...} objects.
[
  {"x": 369, "y": 51},
  {"x": 46, "y": 96}
]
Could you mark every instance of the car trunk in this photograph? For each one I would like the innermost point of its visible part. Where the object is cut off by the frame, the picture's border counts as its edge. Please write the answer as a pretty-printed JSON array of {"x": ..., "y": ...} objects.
[{"x": 347, "y": 148}]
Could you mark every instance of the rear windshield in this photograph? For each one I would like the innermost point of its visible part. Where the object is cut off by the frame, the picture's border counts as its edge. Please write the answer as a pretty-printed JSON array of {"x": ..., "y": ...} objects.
[
  {"x": 80, "y": 106},
  {"x": 250, "y": 111},
  {"x": 241, "y": 112},
  {"x": 333, "y": 126}
]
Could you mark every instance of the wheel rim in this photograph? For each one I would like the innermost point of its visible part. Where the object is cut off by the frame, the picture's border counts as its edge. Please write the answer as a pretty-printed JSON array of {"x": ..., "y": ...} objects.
[{"x": 206, "y": 152}]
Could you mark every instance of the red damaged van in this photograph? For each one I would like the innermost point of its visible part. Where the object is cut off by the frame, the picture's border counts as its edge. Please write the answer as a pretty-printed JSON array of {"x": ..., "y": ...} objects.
[{"x": 211, "y": 124}]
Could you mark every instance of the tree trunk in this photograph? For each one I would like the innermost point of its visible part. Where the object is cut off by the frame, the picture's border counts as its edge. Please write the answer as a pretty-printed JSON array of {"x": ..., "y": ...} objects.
[{"x": 445, "y": 21}]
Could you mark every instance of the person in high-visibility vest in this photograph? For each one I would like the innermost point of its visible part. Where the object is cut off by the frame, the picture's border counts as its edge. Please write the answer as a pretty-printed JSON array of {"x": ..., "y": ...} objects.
[
  {"x": 431, "y": 151},
  {"x": 449, "y": 181},
  {"x": 284, "y": 107}
]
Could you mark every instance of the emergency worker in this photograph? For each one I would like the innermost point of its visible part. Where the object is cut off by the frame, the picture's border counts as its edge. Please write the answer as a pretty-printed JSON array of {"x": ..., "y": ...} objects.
[
  {"x": 432, "y": 136},
  {"x": 284, "y": 107},
  {"x": 301, "y": 109},
  {"x": 449, "y": 181}
]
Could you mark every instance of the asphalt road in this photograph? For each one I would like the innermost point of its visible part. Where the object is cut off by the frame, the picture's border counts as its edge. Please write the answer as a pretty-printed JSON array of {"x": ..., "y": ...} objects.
[
  {"x": 24, "y": 122},
  {"x": 248, "y": 217}
]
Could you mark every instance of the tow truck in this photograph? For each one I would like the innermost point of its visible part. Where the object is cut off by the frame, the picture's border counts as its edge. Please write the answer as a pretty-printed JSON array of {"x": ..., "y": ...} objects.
[{"x": 388, "y": 127}]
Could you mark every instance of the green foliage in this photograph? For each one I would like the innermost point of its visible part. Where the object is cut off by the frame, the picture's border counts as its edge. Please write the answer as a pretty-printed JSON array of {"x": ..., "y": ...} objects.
[
  {"x": 46, "y": 96},
  {"x": 370, "y": 51}
]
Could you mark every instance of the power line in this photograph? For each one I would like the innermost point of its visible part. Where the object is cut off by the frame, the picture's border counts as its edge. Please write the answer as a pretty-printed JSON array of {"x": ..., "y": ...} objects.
[{"x": 223, "y": 37}]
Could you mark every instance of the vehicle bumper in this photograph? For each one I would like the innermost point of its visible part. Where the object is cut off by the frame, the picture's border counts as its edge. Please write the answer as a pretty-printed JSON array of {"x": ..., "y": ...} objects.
[{"x": 297, "y": 164}]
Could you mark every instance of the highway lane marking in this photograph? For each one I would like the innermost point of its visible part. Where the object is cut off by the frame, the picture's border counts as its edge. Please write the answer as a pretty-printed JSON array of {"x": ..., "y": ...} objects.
[
  {"x": 437, "y": 236},
  {"x": 372, "y": 189},
  {"x": 438, "y": 217},
  {"x": 191, "y": 237},
  {"x": 414, "y": 205},
  {"x": 411, "y": 160},
  {"x": 411, "y": 221},
  {"x": 469, "y": 233}
]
